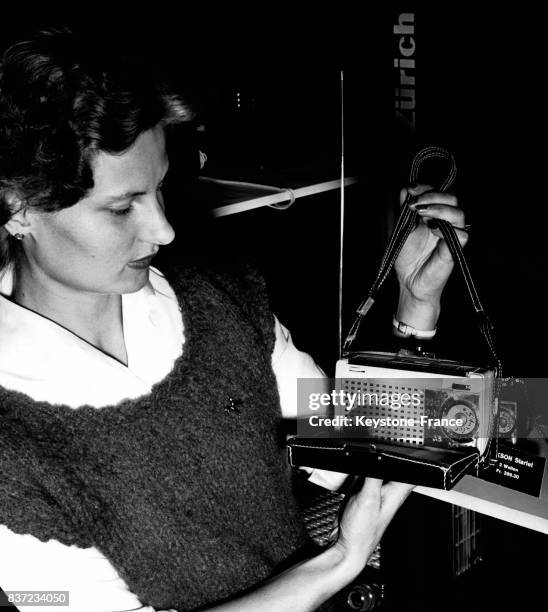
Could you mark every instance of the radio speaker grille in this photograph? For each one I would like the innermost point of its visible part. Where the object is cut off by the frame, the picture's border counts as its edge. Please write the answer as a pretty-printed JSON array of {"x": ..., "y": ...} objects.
[{"x": 372, "y": 390}]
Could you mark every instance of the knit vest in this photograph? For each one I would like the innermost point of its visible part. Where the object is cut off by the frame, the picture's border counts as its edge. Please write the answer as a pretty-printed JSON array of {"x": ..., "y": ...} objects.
[{"x": 186, "y": 490}]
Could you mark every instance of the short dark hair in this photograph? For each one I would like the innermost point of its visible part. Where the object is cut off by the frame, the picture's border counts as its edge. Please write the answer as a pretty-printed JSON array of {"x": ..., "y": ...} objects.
[{"x": 62, "y": 100}]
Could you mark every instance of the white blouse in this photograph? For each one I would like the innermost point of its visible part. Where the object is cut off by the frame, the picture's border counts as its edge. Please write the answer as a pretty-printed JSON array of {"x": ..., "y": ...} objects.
[{"x": 49, "y": 363}]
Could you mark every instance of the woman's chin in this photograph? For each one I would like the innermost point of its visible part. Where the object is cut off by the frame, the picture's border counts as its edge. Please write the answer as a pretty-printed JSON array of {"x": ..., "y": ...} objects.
[{"x": 136, "y": 281}]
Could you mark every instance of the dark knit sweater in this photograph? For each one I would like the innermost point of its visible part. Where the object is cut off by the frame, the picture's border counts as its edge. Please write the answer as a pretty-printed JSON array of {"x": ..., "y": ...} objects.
[{"x": 186, "y": 490}]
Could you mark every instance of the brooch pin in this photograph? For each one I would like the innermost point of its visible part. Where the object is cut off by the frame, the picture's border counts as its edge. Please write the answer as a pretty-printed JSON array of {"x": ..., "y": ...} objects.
[{"x": 233, "y": 406}]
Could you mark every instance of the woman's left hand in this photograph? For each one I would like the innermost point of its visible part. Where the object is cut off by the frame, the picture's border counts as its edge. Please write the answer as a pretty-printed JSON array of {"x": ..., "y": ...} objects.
[{"x": 425, "y": 262}]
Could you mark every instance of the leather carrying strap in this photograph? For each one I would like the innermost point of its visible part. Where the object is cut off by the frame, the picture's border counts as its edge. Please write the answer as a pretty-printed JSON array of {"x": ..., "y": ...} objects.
[{"x": 405, "y": 224}]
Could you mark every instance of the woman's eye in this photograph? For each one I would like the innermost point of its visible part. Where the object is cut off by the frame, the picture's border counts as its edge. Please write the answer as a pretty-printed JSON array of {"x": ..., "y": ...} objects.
[{"x": 119, "y": 212}]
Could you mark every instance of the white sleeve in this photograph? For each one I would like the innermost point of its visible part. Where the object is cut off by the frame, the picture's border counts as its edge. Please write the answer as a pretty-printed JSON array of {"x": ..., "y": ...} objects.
[
  {"x": 93, "y": 585},
  {"x": 290, "y": 364}
]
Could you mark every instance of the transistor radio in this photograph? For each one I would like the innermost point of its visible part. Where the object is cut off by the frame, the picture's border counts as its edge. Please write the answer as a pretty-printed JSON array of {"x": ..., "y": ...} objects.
[
  {"x": 417, "y": 400},
  {"x": 403, "y": 416}
]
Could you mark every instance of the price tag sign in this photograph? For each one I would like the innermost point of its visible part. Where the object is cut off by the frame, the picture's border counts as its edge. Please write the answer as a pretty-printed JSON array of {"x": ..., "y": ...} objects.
[{"x": 518, "y": 470}]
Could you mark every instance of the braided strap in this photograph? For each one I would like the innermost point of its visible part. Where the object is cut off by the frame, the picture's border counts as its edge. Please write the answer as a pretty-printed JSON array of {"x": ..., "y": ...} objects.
[{"x": 405, "y": 224}]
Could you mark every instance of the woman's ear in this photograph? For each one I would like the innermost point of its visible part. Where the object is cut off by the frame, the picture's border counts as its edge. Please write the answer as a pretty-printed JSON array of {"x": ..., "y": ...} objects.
[{"x": 18, "y": 223}]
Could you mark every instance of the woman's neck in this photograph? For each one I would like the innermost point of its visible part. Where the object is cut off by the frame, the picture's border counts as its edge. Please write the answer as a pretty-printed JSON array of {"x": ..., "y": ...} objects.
[{"x": 94, "y": 317}]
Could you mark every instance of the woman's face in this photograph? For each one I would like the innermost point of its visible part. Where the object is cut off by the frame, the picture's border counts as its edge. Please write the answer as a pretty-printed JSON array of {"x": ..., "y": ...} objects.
[{"x": 104, "y": 243}]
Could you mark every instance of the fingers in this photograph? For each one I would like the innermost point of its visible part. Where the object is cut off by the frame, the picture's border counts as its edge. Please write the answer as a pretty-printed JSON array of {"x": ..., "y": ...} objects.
[
  {"x": 370, "y": 492},
  {"x": 433, "y": 205},
  {"x": 434, "y": 197},
  {"x": 462, "y": 235},
  {"x": 413, "y": 191},
  {"x": 393, "y": 494},
  {"x": 455, "y": 216},
  {"x": 387, "y": 497},
  {"x": 366, "y": 515},
  {"x": 442, "y": 248}
]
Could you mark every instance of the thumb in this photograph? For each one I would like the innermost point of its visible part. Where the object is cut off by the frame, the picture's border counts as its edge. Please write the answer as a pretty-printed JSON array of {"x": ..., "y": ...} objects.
[
  {"x": 368, "y": 497},
  {"x": 393, "y": 494}
]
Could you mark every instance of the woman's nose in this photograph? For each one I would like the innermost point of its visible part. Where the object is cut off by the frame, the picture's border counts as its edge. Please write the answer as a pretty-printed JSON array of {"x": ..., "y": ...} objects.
[{"x": 157, "y": 229}]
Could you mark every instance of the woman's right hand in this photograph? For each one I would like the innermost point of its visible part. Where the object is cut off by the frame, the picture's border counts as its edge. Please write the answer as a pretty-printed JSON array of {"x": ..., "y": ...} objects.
[
  {"x": 366, "y": 515},
  {"x": 305, "y": 586}
]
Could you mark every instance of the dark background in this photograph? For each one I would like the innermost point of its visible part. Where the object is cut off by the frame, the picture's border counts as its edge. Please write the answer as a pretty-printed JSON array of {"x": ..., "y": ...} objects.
[
  {"x": 479, "y": 79},
  {"x": 479, "y": 91}
]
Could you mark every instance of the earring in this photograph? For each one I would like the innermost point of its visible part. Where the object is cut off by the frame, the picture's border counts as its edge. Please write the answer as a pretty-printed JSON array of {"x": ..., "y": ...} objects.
[{"x": 18, "y": 236}]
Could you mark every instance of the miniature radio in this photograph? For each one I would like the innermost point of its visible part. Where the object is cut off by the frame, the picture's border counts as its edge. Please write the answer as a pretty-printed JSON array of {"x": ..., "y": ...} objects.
[{"x": 404, "y": 416}]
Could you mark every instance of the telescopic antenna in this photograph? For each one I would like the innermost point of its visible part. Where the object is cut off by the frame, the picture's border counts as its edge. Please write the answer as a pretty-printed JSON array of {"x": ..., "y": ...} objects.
[{"x": 341, "y": 229}]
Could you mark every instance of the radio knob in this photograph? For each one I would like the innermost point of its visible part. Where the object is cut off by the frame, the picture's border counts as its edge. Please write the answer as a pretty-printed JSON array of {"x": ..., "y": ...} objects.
[{"x": 363, "y": 597}]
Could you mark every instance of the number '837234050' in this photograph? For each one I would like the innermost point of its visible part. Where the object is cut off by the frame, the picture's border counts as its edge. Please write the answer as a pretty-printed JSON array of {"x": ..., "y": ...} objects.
[{"x": 38, "y": 598}]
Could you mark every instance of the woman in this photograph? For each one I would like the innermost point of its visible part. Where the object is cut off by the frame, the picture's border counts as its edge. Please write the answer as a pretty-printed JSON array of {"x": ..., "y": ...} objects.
[{"x": 139, "y": 450}]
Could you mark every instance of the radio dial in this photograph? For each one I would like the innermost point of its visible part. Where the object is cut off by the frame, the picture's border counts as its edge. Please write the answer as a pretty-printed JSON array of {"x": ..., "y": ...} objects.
[{"x": 463, "y": 411}]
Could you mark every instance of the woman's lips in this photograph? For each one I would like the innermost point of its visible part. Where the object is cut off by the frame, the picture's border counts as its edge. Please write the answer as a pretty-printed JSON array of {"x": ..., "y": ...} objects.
[{"x": 141, "y": 264}]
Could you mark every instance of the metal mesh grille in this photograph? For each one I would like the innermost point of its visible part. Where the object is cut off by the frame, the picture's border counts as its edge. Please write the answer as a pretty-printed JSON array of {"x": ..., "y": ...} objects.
[
  {"x": 380, "y": 388},
  {"x": 466, "y": 539},
  {"x": 322, "y": 515}
]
